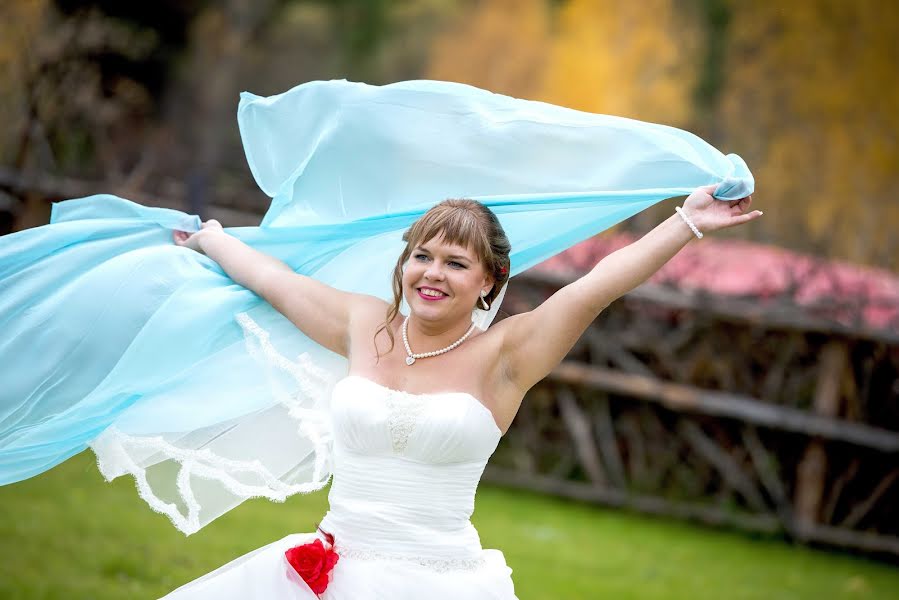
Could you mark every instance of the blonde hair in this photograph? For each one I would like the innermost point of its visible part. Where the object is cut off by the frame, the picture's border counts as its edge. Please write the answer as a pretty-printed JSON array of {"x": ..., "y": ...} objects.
[{"x": 463, "y": 222}]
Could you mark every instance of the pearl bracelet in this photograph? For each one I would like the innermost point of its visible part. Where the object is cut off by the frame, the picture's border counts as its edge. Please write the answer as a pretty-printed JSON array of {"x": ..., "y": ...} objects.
[{"x": 687, "y": 220}]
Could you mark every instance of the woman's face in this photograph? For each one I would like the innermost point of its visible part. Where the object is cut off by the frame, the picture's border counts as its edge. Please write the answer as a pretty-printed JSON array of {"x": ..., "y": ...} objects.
[{"x": 443, "y": 280}]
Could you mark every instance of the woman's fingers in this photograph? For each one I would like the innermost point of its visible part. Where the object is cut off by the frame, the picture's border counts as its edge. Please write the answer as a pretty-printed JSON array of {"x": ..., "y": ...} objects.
[
  {"x": 180, "y": 237},
  {"x": 742, "y": 203},
  {"x": 740, "y": 219}
]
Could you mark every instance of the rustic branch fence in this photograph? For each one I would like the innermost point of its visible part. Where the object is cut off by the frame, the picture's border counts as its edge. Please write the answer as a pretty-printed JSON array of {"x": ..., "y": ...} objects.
[{"x": 722, "y": 411}]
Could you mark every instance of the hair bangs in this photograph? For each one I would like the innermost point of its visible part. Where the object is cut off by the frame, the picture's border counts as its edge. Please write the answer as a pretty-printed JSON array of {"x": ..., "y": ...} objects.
[
  {"x": 462, "y": 222},
  {"x": 453, "y": 226}
]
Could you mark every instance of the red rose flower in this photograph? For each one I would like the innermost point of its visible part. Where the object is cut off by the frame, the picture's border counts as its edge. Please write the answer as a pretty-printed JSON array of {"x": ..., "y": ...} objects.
[{"x": 313, "y": 562}]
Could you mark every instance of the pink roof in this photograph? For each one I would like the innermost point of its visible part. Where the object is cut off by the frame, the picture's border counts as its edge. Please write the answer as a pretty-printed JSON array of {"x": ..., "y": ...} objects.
[{"x": 836, "y": 290}]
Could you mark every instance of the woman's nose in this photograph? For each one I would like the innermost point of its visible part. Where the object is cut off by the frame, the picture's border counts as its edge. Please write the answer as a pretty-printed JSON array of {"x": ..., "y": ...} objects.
[{"x": 434, "y": 271}]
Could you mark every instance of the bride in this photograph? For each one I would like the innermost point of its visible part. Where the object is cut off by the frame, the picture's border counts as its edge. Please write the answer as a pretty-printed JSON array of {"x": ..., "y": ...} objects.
[
  {"x": 426, "y": 400},
  {"x": 174, "y": 362}
]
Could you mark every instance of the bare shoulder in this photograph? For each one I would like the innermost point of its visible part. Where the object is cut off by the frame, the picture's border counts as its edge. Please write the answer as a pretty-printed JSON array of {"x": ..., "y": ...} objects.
[
  {"x": 366, "y": 303},
  {"x": 367, "y": 310},
  {"x": 368, "y": 314}
]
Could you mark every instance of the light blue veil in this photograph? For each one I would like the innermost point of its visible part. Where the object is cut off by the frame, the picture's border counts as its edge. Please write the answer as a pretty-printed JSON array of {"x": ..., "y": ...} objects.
[{"x": 117, "y": 339}]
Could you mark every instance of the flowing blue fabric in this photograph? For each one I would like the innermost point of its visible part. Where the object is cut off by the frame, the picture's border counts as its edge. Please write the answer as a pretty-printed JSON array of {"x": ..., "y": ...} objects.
[{"x": 110, "y": 327}]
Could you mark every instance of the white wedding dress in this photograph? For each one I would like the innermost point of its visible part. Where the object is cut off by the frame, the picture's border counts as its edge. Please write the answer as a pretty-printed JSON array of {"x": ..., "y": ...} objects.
[{"x": 406, "y": 467}]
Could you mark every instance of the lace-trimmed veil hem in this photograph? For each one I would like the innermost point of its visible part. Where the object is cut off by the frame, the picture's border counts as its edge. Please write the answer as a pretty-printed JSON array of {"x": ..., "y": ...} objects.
[{"x": 190, "y": 478}]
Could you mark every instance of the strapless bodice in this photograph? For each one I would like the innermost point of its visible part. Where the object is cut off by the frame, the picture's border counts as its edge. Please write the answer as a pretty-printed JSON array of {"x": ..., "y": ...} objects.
[{"x": 406, "y": 468}]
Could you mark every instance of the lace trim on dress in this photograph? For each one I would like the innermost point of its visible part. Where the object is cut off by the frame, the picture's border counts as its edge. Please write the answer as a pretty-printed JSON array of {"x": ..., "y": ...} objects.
[
  {"x": 119, "y": 453},
  {"x": 441, "y": 565}
]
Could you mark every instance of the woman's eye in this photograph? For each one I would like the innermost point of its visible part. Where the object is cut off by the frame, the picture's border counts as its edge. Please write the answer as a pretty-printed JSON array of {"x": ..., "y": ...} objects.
[{"x": 454, "y": 264}]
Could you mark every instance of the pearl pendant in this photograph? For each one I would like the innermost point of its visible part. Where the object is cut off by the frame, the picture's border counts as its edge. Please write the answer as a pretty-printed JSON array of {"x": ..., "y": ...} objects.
[{"x": 410, "y": 360}]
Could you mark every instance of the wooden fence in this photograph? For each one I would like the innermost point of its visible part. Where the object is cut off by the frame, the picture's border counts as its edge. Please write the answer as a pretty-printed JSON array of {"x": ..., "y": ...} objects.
[{"x": 727, "y": 412}]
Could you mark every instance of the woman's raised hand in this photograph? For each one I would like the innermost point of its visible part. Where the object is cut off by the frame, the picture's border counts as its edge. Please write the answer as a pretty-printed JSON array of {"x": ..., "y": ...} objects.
[
  {"x": 709, "y": 214},
  {"x": 192, "y": 240}
]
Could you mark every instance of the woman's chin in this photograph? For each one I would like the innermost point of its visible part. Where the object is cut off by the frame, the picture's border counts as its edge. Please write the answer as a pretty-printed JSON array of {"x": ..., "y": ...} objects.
[
  {"x": 431, "y": 310},
  {"x": 425, "y": 310}
]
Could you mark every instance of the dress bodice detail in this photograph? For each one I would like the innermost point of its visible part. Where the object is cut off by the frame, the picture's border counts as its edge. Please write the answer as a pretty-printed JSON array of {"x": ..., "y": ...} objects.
[
  {"x": 404, "y": 411},
  {"x": 406, "y": 469},
  {"x": 434, "y": 426}
]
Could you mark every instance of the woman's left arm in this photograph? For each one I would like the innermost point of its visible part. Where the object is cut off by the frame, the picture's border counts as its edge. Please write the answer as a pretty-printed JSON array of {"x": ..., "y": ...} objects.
[{"x": 535, "y": 342}]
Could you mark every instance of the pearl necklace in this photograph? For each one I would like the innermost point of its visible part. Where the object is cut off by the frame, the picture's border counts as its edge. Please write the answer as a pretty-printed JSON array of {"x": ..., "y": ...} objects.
[{"x": 410, "y": 358}]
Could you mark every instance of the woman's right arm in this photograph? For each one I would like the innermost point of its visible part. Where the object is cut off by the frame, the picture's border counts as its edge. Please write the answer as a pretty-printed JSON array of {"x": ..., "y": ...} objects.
[{"x": 320, "y": 311}]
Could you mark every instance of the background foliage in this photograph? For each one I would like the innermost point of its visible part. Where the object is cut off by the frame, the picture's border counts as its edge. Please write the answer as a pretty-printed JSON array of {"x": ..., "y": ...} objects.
[{"x": 141, "y": 96}]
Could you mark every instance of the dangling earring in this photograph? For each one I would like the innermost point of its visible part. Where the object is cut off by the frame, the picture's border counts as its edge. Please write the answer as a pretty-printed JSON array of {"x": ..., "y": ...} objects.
[{"x": 484, "y": 302}]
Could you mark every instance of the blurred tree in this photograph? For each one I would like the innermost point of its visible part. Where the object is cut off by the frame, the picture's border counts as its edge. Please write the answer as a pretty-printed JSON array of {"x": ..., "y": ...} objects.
[
  {"x": 361, "y": 26},
  {"x": 76, "y": 100},
  {"x": 500, "y": 45},
  {"x": 716, "y": 17},
  {"x": 634, "y": 59},
  {"x": 85, "y": 82},
  {"x": 19, "y": 23},
  {"x": 629, "y": 59},
  {"x": 201, "y": 102},
  {"x": 811, "y": 101},
  {"x": 142, "y": 95}
]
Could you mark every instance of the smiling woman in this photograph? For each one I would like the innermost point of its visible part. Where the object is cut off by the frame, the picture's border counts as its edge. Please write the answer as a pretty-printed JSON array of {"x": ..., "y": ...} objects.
[
  {"x": 455, "y": 254},
  {"x": 460, "y": 251},
  {"x": 185, "y": 376}
]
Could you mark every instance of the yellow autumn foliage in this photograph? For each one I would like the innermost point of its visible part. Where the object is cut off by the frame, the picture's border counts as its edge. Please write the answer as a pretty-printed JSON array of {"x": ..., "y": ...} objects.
[
  {"x": 806, "y": 93},
  {"x": 633, "y": 59},
  {"x": 500, "y": 45},
  {"x": 812, "y": 96},
  {"x": 20, "y": 23},
  {"x": 629, "y": 59}
]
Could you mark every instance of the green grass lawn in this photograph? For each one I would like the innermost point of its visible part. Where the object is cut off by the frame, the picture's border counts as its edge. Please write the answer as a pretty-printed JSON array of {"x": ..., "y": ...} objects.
[{"x": 68, "y": 534}]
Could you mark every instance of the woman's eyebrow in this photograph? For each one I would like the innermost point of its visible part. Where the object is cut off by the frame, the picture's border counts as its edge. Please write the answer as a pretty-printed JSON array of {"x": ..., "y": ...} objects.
[{"x": 423, "y": 249}]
